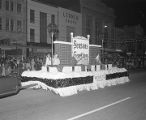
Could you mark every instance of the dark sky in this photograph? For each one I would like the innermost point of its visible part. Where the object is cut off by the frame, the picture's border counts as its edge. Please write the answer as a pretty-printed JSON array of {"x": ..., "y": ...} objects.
[{"x": 129, "y": 12}]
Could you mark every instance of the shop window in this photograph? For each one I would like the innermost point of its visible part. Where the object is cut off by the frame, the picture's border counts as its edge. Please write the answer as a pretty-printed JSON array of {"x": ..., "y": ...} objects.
[
  {"x": 32, "y": 16},
  {"x": 32, "y": 35}
]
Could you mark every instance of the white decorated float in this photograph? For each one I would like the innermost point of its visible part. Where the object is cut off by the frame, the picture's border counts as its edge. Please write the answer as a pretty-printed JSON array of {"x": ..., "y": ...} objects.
[
  {"x": 72, "y": 79},
  {"x": 69, "y": 82}
]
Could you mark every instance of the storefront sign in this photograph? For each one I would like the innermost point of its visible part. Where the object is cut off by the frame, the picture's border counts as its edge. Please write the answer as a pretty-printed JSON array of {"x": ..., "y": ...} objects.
[
  {"x": 80, "y": 50},
  {"x": 69, "y": 17}
]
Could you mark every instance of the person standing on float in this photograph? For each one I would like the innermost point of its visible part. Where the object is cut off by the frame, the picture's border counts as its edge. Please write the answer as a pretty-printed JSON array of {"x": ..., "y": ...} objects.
[
  {"x": 48, "y": 60},
  {"x": 97, "y": 60},
  {"x": 56, "y": 60}
]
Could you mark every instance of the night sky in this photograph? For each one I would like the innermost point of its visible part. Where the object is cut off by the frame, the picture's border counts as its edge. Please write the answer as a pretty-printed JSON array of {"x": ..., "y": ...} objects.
[{"x": 129, "y": 12}]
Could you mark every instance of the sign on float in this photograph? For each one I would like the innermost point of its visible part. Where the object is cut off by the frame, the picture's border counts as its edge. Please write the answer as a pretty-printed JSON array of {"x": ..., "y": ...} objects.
[{"x": 80, "y": 50}]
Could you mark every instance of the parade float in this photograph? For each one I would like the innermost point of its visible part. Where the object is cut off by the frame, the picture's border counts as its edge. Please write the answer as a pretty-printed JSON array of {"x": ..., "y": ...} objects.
[{"x": 73, "y": 78}]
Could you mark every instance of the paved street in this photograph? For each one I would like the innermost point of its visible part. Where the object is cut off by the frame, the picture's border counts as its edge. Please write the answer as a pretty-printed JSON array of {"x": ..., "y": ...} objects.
[{"x": 121, "y": 102}]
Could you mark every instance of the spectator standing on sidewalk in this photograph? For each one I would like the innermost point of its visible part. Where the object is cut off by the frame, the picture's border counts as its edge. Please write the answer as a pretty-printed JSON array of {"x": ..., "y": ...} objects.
[{"x": 3, "y": 70}]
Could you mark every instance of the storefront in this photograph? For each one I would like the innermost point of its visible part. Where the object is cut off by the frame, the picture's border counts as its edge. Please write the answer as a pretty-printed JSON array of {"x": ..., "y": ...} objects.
[
  {"x": 37, "y": 49},
  {"x": 42, "y": 16},
  {"x": 8, "y": 48}
]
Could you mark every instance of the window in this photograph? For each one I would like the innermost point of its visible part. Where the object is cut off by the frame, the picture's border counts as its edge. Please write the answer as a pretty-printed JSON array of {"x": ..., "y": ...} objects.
[
  {"x": 19, "y": 8},
  {"x": 97, "y": 32},
  {"x": 32, "y": 16},
  {"x": 32, "y": 35},
  {"x": 0, "y": 4},
  {"x": 0, "y": 23},
  {"x": 7, "y": 5},
  {"x": 43, "y": 27},
  {"x": 7, "y": 24},
  {"x": 88, "y": 25},
  {"x": 68, "y": 31},
  {"x": 12, "y": 6},
  {"x": 12, "y": 25},
  {"x": 53, "y": 19},
  {"x": 19, "y": 26}
]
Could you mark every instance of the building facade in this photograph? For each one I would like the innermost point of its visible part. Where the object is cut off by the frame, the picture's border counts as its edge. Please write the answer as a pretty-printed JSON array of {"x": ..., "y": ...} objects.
[
  {"x": 135, "y": 43},
  {"x": 120, "y": 39},
  {"x": 134, "y": 38},
  {"x": 97, "y": 21},
  {"x": 130, "y": 40},
  {"x": 13, "y": 26},
  {"x": 69, "y": 21},
  {"x": 40, "y": 15},
  {"x": 26, "y": 22}
]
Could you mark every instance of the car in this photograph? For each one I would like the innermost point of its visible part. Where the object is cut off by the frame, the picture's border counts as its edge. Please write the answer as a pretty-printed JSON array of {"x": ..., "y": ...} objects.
[{"x": 9, "y": 85}]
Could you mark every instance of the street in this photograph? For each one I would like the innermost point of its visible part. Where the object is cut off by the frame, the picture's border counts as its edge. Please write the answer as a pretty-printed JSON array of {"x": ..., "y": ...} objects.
[{"x": 121, "y": 102}]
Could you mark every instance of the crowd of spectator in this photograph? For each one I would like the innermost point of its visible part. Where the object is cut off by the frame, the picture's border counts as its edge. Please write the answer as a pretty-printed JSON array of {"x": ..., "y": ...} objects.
[{"x": 10, "y": 65}]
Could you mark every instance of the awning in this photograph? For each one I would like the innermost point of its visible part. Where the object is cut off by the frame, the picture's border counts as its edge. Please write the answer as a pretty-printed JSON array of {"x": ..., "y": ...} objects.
[
  {"x": 38, "y": 45},
  {"x": 6, "y": 44},
  {"x": 6, "y": 47}
]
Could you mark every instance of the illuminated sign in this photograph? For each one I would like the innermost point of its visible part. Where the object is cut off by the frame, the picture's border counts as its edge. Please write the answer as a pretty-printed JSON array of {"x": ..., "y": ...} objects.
[{"x": 80, "y": 50}]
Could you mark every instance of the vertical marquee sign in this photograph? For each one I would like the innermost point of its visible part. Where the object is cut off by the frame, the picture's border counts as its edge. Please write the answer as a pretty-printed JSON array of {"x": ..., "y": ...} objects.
[{"x": 80, "y": 49}]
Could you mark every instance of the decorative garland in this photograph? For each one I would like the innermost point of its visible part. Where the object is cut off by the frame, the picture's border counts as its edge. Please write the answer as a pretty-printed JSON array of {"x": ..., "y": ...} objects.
[
  {"x": 60, "y": 83},
  {"x": 68, "y": 85},
  {"x": 116, "y": 75}
]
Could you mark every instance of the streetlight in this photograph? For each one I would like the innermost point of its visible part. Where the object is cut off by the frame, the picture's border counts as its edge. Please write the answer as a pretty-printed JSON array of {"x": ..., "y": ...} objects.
[
  {"x": 53, "y": 31},
  {"x": 102, "y": 50},
  {"x": 103, "y": 37},
  {"x": 105, "y": 26}
]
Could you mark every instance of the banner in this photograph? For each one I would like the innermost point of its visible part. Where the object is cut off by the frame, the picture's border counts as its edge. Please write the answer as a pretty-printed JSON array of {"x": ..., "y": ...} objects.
[{"x": 80, "y": 50}]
